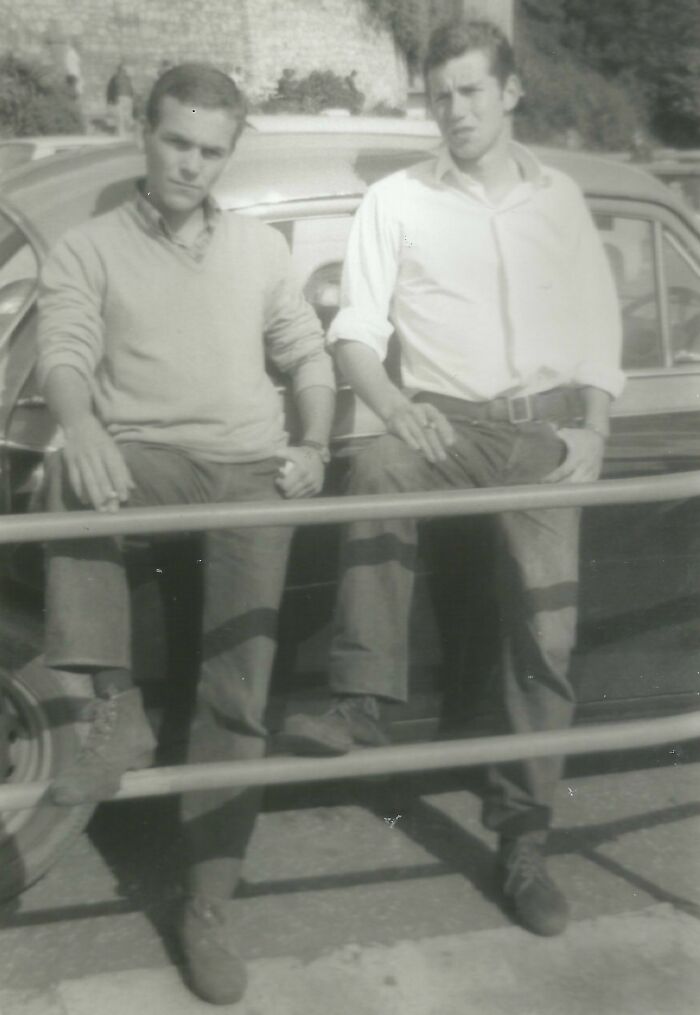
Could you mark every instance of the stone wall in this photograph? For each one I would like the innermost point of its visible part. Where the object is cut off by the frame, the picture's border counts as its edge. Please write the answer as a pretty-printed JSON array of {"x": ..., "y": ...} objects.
[
  {"x": 335, "y": 35},
  {"x": 261, "y": 37}
]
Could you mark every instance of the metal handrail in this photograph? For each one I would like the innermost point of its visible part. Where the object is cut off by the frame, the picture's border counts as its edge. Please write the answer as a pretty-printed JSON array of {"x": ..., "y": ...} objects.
[
  {"x": 327, "y": 510},
  {"x": 383, "y": 760}
]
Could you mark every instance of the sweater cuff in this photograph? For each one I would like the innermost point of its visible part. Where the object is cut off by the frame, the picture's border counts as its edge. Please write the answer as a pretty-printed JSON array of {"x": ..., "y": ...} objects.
[{"x": 50, "y": 360}]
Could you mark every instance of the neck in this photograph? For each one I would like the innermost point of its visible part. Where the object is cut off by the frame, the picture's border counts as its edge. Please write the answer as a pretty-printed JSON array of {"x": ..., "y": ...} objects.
[
  {"x": 493, "y": 166},
  {"x": 182, "y": 223}
]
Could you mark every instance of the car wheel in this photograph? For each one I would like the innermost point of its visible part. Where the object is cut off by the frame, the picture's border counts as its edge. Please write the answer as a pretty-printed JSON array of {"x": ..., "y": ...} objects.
[{"x": 42, "y": 709}]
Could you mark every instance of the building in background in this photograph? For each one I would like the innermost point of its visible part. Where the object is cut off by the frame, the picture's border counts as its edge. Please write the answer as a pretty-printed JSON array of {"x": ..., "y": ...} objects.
[{"x": 258, "y": 37}]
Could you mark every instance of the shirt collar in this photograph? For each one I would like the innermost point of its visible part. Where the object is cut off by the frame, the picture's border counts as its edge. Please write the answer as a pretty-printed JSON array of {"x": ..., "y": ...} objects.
[
  {"x": 532, "y": 170},
  {"x": 153, "y": 221}
]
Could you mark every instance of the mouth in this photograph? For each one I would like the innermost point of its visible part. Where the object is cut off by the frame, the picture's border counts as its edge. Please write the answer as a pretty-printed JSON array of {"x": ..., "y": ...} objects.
[
  {"x": 188, "y": 187},
  {"x": 462, "y": 133}
]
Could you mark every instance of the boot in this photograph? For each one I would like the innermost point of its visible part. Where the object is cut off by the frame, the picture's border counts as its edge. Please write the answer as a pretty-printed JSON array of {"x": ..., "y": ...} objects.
[
  {"x": 120, "y": 739},
  {"x": 213, "y": 968},
  {"x": 353, "y": 720},
  {"x": 538, "y": 903}
]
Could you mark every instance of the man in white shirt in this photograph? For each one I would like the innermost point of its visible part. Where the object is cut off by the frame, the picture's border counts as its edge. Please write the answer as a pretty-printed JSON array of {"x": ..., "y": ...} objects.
[{"x": 487, "y": 266}]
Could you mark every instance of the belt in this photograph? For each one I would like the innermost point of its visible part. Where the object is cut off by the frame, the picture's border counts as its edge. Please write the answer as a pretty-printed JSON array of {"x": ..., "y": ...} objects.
[{"x": 557, "y": 405}]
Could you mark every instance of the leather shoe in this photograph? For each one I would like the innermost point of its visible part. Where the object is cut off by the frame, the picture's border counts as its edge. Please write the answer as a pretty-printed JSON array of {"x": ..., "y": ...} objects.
[
  {"x": 353, "y": 720},
  {"x": 538, "y": 903},
  {"x": 214, "y": 970}
]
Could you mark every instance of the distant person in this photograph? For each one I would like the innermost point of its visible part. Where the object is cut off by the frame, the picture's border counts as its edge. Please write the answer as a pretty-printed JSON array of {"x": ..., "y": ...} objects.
[{"x": 120, "y": 98}]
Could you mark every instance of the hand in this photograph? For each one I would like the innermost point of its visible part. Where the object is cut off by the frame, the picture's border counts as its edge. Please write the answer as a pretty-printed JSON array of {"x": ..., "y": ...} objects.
[
  {"x": 96, "y": 468},
  {"x": 584, "y": 456},
  {"x": 423, "y": 428},
  {"x": 301, "y": 473}
]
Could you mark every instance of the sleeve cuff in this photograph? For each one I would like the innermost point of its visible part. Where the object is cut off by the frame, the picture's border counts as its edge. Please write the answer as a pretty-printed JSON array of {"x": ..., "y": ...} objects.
[
  {"x": 351, "y": 326},
  {"x": 49, "y": 361}
]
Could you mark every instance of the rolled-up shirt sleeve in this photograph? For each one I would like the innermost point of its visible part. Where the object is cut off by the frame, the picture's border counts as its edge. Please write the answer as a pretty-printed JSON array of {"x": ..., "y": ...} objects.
[
  {"x": 595, "y": 309},
  {"x": 369, "y": 275},
  {"x": 293, "y": 334},
  {"x": 71, "y": 325}
]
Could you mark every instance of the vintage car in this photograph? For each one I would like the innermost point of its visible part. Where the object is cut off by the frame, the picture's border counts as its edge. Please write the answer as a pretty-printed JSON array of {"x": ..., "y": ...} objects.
[
  {"x": 639, "y": 644},
  {"x": 17, "y": 151}
]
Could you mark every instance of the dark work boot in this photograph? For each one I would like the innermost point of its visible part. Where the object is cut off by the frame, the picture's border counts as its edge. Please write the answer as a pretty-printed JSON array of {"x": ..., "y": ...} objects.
[
  {"x": 353, "y": 720},
  {"x": 213, "y": 968},
  {"x": 537, "y": 902},
  {"x": 120, "y": 739}
]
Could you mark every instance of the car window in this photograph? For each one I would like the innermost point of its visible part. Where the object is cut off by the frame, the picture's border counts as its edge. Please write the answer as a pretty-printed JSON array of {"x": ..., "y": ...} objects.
[
  {"x": 682, "y": 280},
  {"x": 629, "y": 244},
  {"x": 685, "y": 186},
  {"x": 318, "y": 247}
]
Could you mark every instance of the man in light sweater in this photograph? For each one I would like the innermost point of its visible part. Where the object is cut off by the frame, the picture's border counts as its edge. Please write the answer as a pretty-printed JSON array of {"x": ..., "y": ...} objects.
[{"x": 156, "y": 321}]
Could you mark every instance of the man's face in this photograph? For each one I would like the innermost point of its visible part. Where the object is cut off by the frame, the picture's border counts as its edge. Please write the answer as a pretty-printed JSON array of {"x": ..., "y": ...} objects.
[
  {"x": 470, "y": 105},
  {"x": 185, "y": 154}
]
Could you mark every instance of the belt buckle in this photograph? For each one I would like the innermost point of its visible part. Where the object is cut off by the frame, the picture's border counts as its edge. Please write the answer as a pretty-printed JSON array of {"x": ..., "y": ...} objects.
[{"x": 520, "y": 409}]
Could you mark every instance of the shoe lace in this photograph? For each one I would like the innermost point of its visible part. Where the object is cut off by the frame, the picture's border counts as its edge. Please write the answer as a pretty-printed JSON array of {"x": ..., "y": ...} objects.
[
  {"x": 349, "y": 706},
  {"x": 102, "y": 716},
  {"x": 524, "y": 867}
]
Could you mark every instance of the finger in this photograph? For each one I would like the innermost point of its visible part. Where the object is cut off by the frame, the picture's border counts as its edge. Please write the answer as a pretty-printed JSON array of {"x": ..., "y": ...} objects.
[
  {"x": 435, "y": 442},
  {"x": 97, "y": 496},
  {"x": 117, "y": 474},
  {"x": 77, "y": 483},
  {"x": 97, "y": 480},
  {"x": 442, "y": 426},
  {"x": 412, "y": 433}
]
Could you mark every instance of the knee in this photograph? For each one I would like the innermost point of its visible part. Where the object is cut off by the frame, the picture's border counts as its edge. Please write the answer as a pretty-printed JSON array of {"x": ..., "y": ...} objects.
[{"x": 381, "y": 466}]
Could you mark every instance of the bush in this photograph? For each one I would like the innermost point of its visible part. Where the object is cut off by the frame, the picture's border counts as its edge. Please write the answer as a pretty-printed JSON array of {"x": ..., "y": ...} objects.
[
  {"x": 321, "y": 89},
  {"x": 384, "y": 109},
  {"x": 33, "y": 101},
  {"x": 562, "y": 97}
]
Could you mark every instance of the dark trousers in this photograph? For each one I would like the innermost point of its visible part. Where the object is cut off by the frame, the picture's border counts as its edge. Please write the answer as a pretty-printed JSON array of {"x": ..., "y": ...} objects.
[
  {"x": 88, "y": 626},
  {"x": 538, "y": 563}
]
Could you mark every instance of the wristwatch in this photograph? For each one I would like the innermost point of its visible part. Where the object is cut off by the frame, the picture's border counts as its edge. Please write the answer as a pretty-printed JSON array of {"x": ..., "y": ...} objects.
[{"x": 320, "y": 449}]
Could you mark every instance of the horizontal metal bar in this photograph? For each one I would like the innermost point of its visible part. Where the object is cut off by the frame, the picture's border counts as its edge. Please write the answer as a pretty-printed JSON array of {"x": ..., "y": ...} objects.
[
  {"x": 383, "y": 760},
  {"x": 326, "y": 510}
]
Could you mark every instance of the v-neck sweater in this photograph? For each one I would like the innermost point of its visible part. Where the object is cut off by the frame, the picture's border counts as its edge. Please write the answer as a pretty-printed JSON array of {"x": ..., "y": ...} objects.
[{"x": 174, "y": 348}]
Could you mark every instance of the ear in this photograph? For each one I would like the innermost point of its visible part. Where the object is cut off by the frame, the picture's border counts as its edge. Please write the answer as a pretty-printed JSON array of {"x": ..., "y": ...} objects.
[{"x": 512, "y": 92}]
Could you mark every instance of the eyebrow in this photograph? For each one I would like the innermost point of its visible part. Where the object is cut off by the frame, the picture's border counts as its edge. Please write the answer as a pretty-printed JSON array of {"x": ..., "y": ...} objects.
[{"x": 172, "y": 135}]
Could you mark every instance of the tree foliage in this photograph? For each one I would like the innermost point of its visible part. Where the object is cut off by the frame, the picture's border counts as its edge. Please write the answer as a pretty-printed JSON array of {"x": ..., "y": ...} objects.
[
  {"x": 321, "y": 89},
  {"x": 653, "y": 48},
  {"x": 32, "y": 101},
  {"x": 410, "y": 20},
  {"x": 564, "y": 98}
]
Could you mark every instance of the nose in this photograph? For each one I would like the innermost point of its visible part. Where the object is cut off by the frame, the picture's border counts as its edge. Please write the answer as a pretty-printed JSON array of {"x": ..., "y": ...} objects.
[
  {"x": 460, "y": 107},
  {"x": 191, "y": 163}
]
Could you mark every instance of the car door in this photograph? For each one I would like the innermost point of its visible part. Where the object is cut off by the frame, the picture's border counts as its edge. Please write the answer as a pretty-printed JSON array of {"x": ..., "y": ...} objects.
[{"x": 639, "y": 643}]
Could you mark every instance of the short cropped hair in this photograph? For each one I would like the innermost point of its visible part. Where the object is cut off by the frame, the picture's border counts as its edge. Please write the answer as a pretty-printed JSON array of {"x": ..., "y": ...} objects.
[
  {"x": 464, "y": 35},
  {"x": 201, "y": 84}
]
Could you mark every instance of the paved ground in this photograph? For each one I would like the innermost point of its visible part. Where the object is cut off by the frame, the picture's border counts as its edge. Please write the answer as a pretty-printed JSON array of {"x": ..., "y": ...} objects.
[{"x": 381, "y": 899}]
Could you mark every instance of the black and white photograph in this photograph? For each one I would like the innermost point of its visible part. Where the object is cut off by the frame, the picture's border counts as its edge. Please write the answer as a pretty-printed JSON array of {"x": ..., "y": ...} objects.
[{"x": 350, "y": 493}]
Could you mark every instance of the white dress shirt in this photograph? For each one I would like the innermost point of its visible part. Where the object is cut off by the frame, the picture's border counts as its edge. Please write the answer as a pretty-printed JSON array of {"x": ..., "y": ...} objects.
[{"x": 486, "y": 299}]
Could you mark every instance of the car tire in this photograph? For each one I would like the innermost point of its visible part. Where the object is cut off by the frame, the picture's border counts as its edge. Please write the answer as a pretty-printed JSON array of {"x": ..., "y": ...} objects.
[{"x": 44, "y": 709}]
